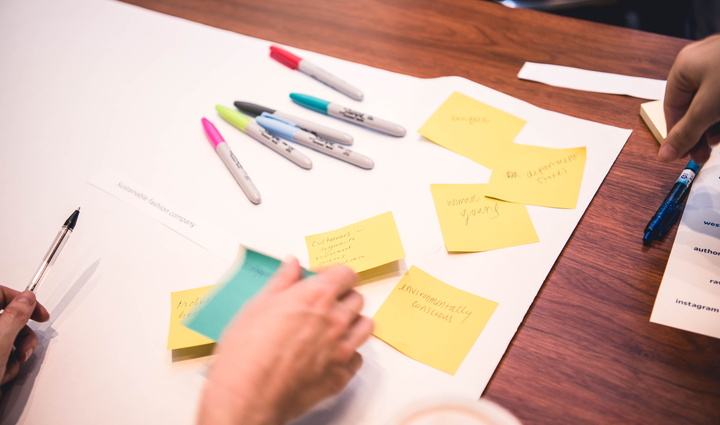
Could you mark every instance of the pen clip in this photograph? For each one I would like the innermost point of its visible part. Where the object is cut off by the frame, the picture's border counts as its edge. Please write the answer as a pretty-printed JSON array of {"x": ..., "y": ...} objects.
[{"x": 669, "y": 222}]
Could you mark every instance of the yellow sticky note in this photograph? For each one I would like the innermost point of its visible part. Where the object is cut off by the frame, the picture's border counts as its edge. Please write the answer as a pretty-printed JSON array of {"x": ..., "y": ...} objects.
[
  {"x": 182, "y": 303},
  {"x": 432, "y": 322},
  {"x": 472, "y": 129},
  {"x": 654, "y": 116},
  {"x": 539, "y": 176},
  {"x": 470, "y": 222},
  {"x": 361, "y": 246}
]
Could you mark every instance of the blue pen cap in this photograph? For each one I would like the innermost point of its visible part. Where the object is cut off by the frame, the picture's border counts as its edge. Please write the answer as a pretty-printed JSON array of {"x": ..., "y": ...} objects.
[
  {"x": 310, "y": 102},
  {"x": 278, "y": 126},
  {"x": 693, "y": 166}
]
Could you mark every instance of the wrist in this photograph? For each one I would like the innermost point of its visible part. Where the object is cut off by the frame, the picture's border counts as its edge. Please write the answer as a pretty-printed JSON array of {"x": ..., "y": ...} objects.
[{"x": 222, "y": 405}]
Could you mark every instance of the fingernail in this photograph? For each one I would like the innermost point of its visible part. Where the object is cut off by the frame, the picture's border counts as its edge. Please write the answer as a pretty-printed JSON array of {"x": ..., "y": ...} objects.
[
  {"x": 667, "y": 153},
  {"x": 288, "y": 258},
  {"x": 26, "y": 297},
  {"x": 26, "y": 355}
]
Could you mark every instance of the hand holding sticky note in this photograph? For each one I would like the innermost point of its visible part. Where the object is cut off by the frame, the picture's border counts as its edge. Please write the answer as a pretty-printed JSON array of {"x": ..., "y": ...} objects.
[
  {"x": 470, "y": 222},
  {"x": 432, "y": 322},
  {"x": 247, "y": 276},
  {"x": 361, "y": 246}
]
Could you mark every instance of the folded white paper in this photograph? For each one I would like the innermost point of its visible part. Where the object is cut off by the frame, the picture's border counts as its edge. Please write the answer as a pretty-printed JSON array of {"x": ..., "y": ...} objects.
[{"x": 594, "y": 81}]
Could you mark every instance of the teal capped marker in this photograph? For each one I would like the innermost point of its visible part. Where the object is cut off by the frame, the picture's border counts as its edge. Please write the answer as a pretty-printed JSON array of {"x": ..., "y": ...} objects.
[
  {"x": 347, "y": 114},
  {"x": 310, "y": 102}
]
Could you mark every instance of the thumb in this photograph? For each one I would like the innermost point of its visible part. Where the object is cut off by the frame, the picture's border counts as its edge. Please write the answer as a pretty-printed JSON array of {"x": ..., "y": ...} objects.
[
  {"x": 702, "y": 114},
  {"x": 13, "y": 319},
  {"x": 286, "y": 275}
]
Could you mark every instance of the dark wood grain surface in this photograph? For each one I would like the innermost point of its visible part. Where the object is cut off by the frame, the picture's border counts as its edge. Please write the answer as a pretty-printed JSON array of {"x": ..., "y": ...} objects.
[{"x": 586, "y": 352}]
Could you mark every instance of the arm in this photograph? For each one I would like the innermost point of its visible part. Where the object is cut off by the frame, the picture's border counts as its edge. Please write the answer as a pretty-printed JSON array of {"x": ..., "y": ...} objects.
[
  {"x": 17, "y": 340},
  {"x": 692, "y": 102},
  {"x": 290, "y": 347}
]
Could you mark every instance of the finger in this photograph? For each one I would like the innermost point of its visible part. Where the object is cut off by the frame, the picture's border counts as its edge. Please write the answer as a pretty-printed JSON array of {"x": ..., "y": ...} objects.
[
  {"x": 702, "y": 114},
  {"x": 679, "y": 94},
  {"x": 339, "y": 374},
  {"x": 336, "y": 280},
  {"x": 354, "y": 338},
  {"x": 351, "y": 305},
  {"x": 7, "y": 295},
  {"x": 700, "y": 153},
  {"x": 11, "y": 370},
  {"x": 25, "y": 343},
  {"x": 286, "y": 275},
  {"x": 713, "y": 135},
  {"x": 13, "y": 319},
  {"x": 40, "y": 314},
  {"x": 354, "y": 364}
]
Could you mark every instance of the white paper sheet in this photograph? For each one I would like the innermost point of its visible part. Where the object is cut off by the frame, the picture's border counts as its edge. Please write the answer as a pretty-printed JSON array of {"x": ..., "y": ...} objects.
[
  {"x": 93, "y": 85},
  {"x": 600, "y": 82},
  {"x": 689, "y": 295}
]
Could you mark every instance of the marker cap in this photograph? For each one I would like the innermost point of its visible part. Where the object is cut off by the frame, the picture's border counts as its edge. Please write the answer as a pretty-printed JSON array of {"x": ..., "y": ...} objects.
[
  {"x": 233, "y": 117},
  {"x": 284, "y": 57},
  {"x": 279, "y": 126},
  {"x": 311, "y": 102},
  {"x": 213, "y": 134},
  {"x": 252, "y": 109}
]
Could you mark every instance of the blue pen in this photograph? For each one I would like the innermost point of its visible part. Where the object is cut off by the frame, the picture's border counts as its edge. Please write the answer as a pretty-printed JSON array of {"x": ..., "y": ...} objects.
[
  {"x": 347, "y": 114},
  {"x": 290, "y": 131},
  {"x": 669, "y": 210}
]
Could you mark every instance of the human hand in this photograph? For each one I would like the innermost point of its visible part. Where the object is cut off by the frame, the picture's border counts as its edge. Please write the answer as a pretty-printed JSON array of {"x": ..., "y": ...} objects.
[
  {"x": 290, "y": 347},
  {"x": 17, "y": 340},
  {"x": 692, "y": 102}
]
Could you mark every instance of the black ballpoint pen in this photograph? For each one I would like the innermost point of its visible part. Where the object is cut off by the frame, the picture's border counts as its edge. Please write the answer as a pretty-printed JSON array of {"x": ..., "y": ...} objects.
[
  {"x": 669, "y": 210},
  {"x": 54, "y": 250}
]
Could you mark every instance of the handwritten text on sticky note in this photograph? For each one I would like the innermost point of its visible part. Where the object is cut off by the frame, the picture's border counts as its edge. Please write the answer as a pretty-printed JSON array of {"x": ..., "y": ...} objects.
[
  {"x": 431, "y": 321},
  {"x": 470, "y": 222},
  {"x": 361, "y": 246},
  {"x": 472, "y": 129},
  {"x": 182, "y": 304},
  {"x": 540, "y": 176}
]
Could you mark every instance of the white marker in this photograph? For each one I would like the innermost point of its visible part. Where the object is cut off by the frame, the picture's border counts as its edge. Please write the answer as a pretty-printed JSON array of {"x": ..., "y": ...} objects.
[
  {"x": 347, "y": 114},
  {"x": 290, "y": 131},
  {"x": 295, "y": 62},
  {"x": 231, "y": 162}
]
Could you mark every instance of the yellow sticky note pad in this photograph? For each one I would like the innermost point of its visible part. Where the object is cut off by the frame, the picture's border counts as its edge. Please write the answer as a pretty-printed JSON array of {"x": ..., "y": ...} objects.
[
  {"x": 182, "y": 303},
  {"x": 472, "y": 129},
  {"x": 539, "y": 176},
  {"x": 470, "y": 222},
  {"x": 361, "y": 246},
  {"x": 432, "y": 322}
]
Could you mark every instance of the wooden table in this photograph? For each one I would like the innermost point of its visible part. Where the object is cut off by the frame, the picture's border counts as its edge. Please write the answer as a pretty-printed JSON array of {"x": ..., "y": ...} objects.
[{"x": 586, "y": 352}]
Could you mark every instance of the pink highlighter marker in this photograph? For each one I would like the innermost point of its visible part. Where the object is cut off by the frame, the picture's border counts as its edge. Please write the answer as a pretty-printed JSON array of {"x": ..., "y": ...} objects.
[
  {"x": 294, "y": 62},
  {"x": 231, "y": 162}
]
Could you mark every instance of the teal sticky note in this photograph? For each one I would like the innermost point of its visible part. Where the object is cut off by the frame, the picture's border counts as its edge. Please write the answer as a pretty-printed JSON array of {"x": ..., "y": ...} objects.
[{"x": 213, "y": 316}]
